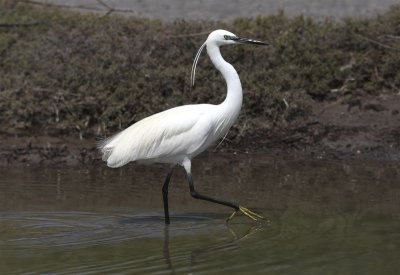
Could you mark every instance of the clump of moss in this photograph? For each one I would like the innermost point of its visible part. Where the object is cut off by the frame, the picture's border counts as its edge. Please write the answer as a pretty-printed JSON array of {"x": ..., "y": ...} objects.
[{"x": 87, "y": 75}]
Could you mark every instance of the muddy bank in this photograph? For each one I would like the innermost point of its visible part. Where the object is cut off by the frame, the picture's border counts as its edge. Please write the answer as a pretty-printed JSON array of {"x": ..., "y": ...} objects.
[
  {"x": 322, "y": 89},
  {"x": 366, "y": 130}
]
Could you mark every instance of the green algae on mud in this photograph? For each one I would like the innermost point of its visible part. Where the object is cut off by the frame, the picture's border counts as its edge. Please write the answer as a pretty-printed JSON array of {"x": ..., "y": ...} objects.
[{"x": 83, "y": 76}]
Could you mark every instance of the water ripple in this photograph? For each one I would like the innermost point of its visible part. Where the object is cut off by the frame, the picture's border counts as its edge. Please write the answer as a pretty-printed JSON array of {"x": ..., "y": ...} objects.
[{"x": 45, "y": 229}]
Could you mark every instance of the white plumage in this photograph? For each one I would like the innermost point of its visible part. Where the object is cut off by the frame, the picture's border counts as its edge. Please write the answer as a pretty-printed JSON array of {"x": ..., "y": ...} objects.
[
  {"x": 166, "y": 137},
  {"x": 182, "y": 132},
  {"x": 179, "y": 134}
]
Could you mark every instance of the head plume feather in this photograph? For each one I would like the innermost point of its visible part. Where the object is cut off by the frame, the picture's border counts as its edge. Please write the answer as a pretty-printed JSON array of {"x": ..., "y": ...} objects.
[{"x": 196, "y": 59}]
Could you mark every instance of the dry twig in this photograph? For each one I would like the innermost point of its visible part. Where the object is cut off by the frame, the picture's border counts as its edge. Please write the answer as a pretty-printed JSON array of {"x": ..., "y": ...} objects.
[
  {"x": 16, "y": 25},
  {"x": 377, "y": 43}
]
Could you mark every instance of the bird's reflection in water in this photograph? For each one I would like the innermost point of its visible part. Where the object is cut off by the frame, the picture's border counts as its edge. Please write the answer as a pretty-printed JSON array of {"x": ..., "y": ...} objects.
[
  {"x": 166, "y": 253},
  {"x": 237, "y": 231}
]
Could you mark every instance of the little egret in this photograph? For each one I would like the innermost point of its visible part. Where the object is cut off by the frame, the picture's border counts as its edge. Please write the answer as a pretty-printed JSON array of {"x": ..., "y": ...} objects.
[{"x": 177, "y": 135}]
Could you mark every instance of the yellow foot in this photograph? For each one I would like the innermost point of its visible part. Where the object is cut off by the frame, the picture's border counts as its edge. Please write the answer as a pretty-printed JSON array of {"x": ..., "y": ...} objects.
[{"x": 252, "y": 215}]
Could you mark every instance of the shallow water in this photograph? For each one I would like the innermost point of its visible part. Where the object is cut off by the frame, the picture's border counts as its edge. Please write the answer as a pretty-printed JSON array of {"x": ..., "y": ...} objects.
[{"x": 322, "y": 218}]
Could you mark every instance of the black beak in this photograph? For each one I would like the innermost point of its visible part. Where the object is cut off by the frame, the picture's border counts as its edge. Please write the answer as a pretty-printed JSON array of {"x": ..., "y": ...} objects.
[{"x": 250, "y": 41}]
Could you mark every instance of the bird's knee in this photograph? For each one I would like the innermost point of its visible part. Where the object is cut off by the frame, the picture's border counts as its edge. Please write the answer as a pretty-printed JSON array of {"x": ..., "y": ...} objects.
[{"x": 194, "y": 194}]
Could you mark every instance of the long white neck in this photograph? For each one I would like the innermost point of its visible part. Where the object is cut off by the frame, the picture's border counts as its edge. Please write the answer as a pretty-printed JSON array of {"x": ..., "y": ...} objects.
[{"x": 234, "y": 97}]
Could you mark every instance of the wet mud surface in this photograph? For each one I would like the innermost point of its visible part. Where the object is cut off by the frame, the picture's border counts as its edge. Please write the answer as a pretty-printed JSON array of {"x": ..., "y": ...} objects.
[{"x": 366, "y": 129}]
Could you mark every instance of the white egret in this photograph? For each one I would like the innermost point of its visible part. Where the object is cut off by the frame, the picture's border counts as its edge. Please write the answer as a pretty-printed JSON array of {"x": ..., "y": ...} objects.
[{"x": 177, "y": 135}]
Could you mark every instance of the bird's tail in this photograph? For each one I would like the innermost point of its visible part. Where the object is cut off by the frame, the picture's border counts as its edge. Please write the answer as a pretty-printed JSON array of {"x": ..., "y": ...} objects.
[
  {"x": 106, "y": 146},
  {"x": 104, "y": 149}
]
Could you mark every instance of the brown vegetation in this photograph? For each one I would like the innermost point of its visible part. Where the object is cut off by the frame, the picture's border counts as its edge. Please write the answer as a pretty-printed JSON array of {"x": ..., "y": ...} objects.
[{"x": 86, "y": 76}]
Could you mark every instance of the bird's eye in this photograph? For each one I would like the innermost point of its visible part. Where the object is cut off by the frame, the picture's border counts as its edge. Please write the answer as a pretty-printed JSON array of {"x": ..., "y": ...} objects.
[{"x": 226, "y": 37}]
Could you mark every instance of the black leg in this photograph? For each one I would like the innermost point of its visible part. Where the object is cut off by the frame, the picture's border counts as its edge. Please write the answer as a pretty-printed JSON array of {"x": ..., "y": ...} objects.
[
  {"x": 196, "y": 195},
  {"x": 187, "y": 164},
  {"x": 165, "y": 195}
]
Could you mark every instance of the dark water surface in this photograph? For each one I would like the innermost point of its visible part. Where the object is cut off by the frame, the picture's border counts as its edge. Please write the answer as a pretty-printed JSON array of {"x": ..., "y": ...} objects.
[{"x": 323, "y": 218}]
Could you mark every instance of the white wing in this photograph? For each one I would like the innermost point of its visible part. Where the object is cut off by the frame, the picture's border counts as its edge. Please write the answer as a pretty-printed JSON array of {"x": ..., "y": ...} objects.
[{"x": 178, "y": 131}]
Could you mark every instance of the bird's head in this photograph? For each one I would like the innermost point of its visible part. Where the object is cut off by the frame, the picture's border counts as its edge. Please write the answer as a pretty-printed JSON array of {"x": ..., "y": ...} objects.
[
  {"x": 223, "y": 37},
  {"x": 220, "y": 38}
]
